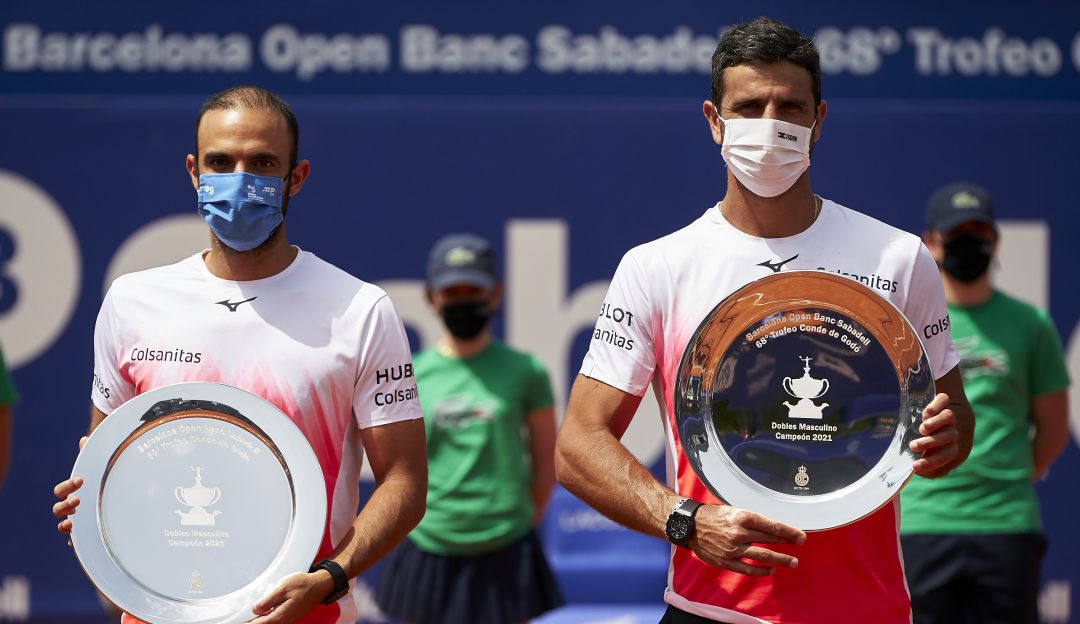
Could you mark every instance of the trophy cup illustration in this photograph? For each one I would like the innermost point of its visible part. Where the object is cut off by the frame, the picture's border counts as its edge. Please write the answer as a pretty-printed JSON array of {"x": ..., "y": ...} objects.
[
  {"x": 198, "y": 497},
  {"x": 805, "y": 388}
]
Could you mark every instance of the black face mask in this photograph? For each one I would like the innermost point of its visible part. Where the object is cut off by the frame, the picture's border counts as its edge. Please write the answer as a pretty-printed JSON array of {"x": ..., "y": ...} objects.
[
  {"x": 467, "y": 319},
  {"x": 967, "y": 257}
]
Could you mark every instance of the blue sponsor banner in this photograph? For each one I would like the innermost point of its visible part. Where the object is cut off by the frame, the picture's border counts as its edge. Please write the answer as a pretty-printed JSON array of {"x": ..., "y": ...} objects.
[
  {"x": 919, "y": 49},
  {"x": 93, "y": 184}
]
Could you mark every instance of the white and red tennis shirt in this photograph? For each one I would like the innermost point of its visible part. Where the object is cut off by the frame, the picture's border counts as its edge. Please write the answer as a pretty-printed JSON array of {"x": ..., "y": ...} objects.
[
  {"x": 661, "y": 292},
  {"x": 326, "y": 348}
]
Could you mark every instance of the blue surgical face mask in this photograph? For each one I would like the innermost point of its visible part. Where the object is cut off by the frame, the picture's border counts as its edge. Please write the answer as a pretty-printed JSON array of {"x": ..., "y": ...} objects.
[{"x": 241, "y": 209}]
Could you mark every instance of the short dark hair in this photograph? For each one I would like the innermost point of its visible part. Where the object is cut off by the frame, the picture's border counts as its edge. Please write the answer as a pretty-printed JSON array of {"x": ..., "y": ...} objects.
[
  {"x": 764, "y": 40},
  {"x": 246, "y": 97}
]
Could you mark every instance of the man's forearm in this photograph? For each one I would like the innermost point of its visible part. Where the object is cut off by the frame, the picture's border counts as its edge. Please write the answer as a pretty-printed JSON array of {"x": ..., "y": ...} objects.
[
  {"x": 395, "y": 508},
  {"x": 598, "y": 469}
]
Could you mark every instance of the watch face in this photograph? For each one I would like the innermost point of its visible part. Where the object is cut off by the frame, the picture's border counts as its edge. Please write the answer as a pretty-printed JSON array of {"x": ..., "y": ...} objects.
[{"x": 678, "y": 528}]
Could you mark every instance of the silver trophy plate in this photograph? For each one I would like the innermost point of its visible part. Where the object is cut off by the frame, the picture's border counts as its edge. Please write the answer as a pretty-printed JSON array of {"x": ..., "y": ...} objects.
[
  {"x": 198, "y": 499},
  {"x": 797, "y": 397}
]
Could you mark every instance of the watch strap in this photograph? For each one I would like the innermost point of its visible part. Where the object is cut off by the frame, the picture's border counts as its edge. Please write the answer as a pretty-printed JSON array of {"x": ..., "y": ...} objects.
[
  {"x": 687, "y": 507},
  {"x": 337, "y": 573}
]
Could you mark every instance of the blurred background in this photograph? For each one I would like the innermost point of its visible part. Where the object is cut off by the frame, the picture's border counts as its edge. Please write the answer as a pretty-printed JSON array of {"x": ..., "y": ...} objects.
[{"x": 565, "y": 132}]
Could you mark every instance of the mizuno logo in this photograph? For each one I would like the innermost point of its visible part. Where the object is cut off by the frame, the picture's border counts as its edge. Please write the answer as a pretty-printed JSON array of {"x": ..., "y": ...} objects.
[
  {"x": 776, "y": 266},
  {"x": 232, "y": 306}
]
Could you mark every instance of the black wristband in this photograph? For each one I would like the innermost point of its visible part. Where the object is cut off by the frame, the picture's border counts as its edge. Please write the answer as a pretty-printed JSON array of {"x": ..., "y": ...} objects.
[{"x": 341, "y": 581}]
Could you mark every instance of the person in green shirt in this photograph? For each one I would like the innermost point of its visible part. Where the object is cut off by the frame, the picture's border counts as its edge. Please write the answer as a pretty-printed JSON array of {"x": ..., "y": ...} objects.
[
  {"x": 8, "y": 397},
  {"x": 490, "y": 422},
  {"x": 972, "y": 540}
]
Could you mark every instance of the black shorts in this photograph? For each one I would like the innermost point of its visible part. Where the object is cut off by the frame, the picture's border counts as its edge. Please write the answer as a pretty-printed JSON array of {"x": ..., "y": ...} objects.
[
  {"x": 512, "y": 584},
  {"x": 678, "y": 616},
  {"x": 974, "y": 578}
]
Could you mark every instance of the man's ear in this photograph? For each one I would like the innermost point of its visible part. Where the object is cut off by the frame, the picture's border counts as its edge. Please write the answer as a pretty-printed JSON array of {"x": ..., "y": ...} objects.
[
  {"x": 298, "y": 175},
  {"x": 822, "y": 111},
  {"x": 712, "y": 117},
  {"x": 192, "y": 164}
]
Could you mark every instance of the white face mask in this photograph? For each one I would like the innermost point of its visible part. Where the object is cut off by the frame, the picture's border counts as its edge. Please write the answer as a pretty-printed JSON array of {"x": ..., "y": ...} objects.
[{"x": 766, "y": 155}]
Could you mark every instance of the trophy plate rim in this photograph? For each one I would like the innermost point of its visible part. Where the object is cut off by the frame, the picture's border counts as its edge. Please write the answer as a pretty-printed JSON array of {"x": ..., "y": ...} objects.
[
  {"x": 782, "y": 292},
  {"x": 108, "y": 441}
]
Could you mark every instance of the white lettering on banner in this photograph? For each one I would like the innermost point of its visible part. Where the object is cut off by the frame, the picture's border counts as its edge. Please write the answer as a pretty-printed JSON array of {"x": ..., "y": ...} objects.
[
  {"x": 543, "y": 320},
  {"x": 540, "y": 318},
  {"x": 858, "y": 50},
  {"x": 26, "y": 48},
  {"x": 40, "y": 269},
  {"x": 1076, "y": 51},
  {"x": 1055, "y": 600},
  {"x": 553, "y": 49},
  {"x": 162, "y": 241},
  {"x": 283, "y": 49},
  {"x": 610, "y": 51},
  {"x": 15, "y": 599},
  {"x": 425, "y": 49},
  {"x": 584, "y": 519},
  {"x": 994, "y": 54}
]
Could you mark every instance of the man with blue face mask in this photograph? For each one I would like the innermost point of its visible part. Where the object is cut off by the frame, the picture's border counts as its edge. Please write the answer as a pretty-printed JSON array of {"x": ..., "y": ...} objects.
[
  {"x": 728, "y": 564},
  {"x": 255, "y": 312}
]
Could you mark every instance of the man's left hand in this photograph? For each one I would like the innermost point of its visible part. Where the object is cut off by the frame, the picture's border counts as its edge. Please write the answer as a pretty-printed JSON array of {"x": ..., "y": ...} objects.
[
  {"x": 293, "y": 598},
  {"x": 940, "y": 442}
]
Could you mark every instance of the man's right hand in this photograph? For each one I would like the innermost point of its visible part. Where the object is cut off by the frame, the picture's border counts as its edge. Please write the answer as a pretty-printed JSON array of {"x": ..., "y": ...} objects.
[
  {"x": 65, "y": 491},
  {"x": 724, "y": 536}
]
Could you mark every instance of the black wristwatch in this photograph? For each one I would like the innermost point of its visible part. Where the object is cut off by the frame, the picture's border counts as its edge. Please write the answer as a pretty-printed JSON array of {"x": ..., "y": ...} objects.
[
  {"x": 341, "y": 582},
  {"x": 680, "y": 524}
]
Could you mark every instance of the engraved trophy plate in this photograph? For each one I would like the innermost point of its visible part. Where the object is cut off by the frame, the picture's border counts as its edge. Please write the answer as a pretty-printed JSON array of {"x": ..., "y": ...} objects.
[
  {"x": 797, "y": 397},
  {"x": 198, "y": 499}
]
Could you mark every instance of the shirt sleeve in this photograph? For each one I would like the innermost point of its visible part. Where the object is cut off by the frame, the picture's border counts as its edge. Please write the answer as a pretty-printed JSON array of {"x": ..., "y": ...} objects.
[
  {"x": 8, "y": 394},
  {"x": 109, "y": 388},
  {"x": 385, "y": 389},
  {"x": 621, "y": 352},
  {"x": 926, "y": 311},
  {"x": 1047, "y": 369},
  {"x": 539, "y": 394}
]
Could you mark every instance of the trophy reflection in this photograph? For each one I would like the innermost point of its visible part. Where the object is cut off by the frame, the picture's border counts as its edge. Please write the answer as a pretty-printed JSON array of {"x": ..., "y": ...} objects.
[
  {"x": 805, "y": 388},
  {"x": 198, "y": 497}
]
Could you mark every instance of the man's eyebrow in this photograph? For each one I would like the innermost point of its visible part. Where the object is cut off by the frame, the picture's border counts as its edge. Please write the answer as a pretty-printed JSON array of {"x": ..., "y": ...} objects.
[
  {"x": 265, "y": 156},
  {"x": 751, "y": 101},
  {"x": 208, "y": 156}
]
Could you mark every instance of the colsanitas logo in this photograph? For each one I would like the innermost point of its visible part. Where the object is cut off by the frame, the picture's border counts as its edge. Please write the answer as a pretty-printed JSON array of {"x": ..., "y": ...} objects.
[
  {"x": 177, "y": 354},
  {"x": 941, "y": 326},
  {"x": 612, "y": 338},
  {"x": 100, "y": 386},
  {"x": 397, "y": 396},
  {"x": 872, "y": 280}
]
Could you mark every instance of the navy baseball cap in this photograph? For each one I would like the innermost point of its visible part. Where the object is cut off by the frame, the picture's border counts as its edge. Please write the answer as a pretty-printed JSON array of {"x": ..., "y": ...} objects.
[
  {"x": 461, "y": 259},
  {"x": 958, "y": 203}
]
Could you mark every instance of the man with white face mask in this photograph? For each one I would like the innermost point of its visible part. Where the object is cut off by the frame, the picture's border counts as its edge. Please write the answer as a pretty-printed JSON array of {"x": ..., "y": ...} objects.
[{"x": 733, "y": 565}]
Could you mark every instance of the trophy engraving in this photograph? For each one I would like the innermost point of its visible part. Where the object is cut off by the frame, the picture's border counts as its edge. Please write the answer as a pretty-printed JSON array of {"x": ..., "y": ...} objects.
[
  {"x": 198, "y": 497},
  {"x": 772, "y": 444},
  {"x": 806, "y": 388},
  {"x": 802, "y": 479},
  {"x": 195, "y": 582}
]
